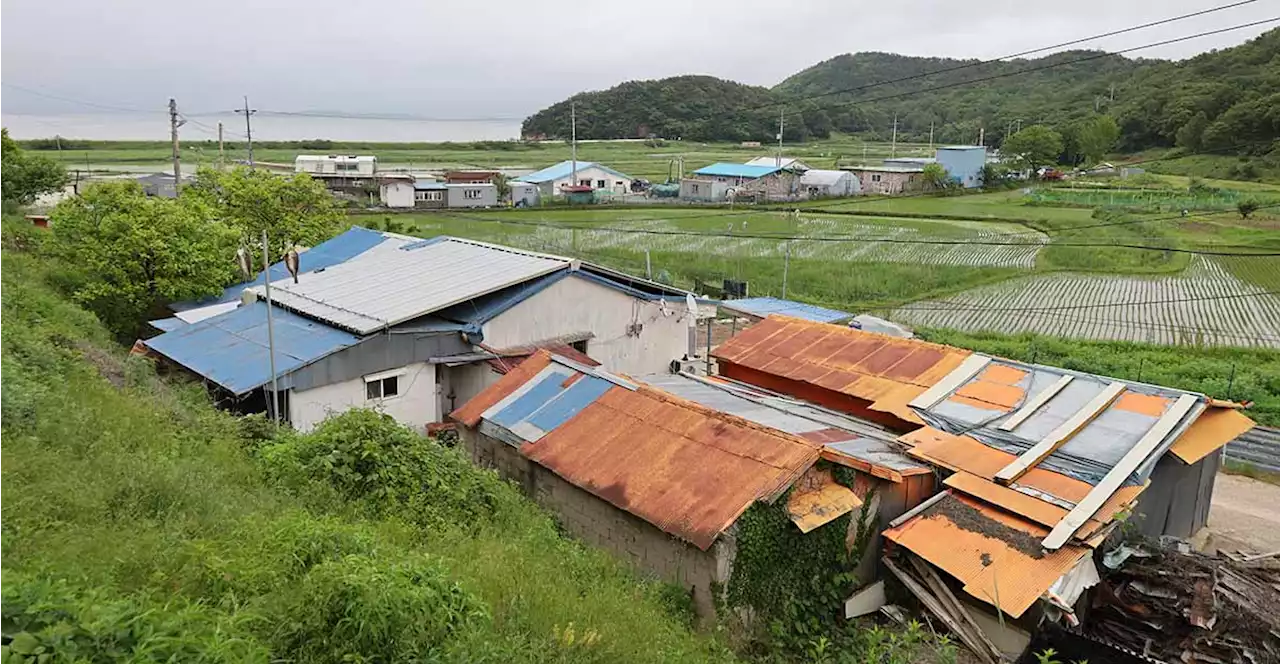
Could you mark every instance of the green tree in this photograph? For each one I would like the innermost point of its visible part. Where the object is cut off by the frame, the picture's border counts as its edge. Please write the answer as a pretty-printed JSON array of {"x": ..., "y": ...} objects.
[
  {"x": 1246, "y": 208},
  {"x": 1095, "y": 137},
  {"x": 26, "y": 176},
  {"x": 1034, "y": 146},
  {"x": 935, "y": 177},
  {"x": 293, "y": 210},
  {"x": 1190, "y": 134},
  {"x": 133, "y": 253}
]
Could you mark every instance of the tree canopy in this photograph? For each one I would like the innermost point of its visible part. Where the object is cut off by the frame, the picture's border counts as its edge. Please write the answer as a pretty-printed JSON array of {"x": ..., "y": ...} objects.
[
  {"x": 26, "y": 176},
  {"x": 134, "y": 252},
  {"x": 293, "y": 210},
  {"x": 1034, "y": 146}
]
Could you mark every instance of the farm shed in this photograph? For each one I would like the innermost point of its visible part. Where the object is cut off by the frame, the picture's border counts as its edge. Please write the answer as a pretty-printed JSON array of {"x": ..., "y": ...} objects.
[
  {"x": 471, "y": 195},
  {"x": 523, "y": 194},
  {"x": 409, "y": 325},
  {"x": 429, "y": 194},
  {"x": 336, "y": 165},
  {"x": 655, "y": 479},
  {"x": 826, "y": 184},
  {"x": 471, "y": 177},
  {"x": 964, "y": 163},
  {"x": 552, "y": 179},
  {"x": 767, "y": 182},
  {"x": 396, "y": 191},
  {"x": 887, "y": 179},
  {"x": 785, "y": 162},
  {"x": 757, "y": 308},
  {"x": 1043, "y": 461}
]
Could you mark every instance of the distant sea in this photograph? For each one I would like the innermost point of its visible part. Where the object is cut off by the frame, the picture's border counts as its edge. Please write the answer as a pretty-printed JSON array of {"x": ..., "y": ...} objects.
[{"x": 144, "y": 126}]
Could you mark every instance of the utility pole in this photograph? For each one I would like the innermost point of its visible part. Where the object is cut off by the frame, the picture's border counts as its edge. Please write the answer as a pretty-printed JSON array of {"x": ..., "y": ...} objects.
[
  {"x": 573, "y": 136},
  {"x": 222, "y": 158},
  {"x": 1112, "y": 98},
  {"x": 893, "y": 147},
  {"x": 782, "y": 121},
  {"x": 931, "y": 136},
  {"x": 272, "y": 404},
  {"x": 982, "y": 136},
  {"x": 174, "y": 123},
  {"x": 248, "y": 127}
]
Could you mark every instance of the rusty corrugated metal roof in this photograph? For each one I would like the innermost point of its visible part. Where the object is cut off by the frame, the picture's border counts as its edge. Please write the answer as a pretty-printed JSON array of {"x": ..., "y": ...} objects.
[
  {"x": 988, "y": 550},
  {"x": 869, "y": 366},
  {"x": 817, "y": 499},
  {"x": 687, "y": 469}
]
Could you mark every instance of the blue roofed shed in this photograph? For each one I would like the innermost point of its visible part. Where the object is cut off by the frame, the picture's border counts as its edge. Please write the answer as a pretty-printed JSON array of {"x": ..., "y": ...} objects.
[
  {"x": 729, "y": 170},
  {"x": 763, "y": 307},
  {"x": 230, "y": 349},
  {"x": 599, "y": 177}
]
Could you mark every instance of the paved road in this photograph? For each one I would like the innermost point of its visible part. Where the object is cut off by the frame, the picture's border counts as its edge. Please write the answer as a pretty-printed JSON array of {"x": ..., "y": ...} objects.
[{"x": 1245, "y": 514}]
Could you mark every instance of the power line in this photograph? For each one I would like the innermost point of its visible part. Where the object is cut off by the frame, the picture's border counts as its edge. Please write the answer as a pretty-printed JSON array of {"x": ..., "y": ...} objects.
[
  {"x": 1014, "y": 55},
  {"x": 81, "y": 102}
]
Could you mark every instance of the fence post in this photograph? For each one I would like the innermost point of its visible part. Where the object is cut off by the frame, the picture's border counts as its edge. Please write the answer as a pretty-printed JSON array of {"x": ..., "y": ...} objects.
[{"x": 1231, "y": 381}]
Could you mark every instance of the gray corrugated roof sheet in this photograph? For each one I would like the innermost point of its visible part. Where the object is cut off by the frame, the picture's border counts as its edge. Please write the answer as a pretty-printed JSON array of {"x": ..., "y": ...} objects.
[
  {"x": 821, "y": 177},
  {"x": 389, "y": 285}
]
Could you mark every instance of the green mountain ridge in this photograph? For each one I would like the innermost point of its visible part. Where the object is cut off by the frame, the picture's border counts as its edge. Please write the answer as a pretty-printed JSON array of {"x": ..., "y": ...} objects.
[{"x": 1226, "y": 100}]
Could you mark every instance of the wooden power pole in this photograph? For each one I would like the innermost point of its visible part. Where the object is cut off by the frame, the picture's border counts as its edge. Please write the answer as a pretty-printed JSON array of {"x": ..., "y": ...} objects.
[
  {"x": 174, "y": 123},
  {"x": 222, "y": 159},
  {"x": 248, "y": 126}
]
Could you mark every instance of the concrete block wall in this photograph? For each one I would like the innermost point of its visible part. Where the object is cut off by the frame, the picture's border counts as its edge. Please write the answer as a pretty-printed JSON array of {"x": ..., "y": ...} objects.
[{"x": 599, "y": 523}]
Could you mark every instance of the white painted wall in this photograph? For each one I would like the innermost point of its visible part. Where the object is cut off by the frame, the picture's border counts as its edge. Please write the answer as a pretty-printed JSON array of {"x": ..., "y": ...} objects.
[
  {"x": 397, "y": 194},
  {"x": 595, "y": 174},
  {"x": 464, "y": 382},
  {"x": 576, "y": 304},
  {"x": 416, "y": 405}
]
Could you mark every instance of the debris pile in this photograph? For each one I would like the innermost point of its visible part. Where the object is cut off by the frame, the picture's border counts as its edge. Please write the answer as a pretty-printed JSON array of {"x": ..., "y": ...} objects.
[{"x": 1176, "y": 605}]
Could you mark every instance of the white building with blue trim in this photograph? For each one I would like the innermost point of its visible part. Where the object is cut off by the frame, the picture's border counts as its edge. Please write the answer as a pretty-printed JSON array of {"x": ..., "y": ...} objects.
[
  {"x": 414, "y": 327},
  {"x": 552, "y": 179}
]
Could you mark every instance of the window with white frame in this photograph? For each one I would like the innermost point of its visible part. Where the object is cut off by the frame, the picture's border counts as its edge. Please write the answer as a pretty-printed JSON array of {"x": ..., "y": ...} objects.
[
  {"x": 695, "y": 189},
  {"x": 381, "y": 386},
  {"x": 584, "y": 183},
  {"x": 600, "y": 184},
  {"x": 875, "y": 177},
  {"x": 472, "y": 194},
  {"x": 428, "y": 195}
]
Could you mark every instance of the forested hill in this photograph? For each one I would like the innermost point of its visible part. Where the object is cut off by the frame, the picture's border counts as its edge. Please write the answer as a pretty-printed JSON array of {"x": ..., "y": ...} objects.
[
  {"x": 1217, "y": 100},
  {"x": 691, "y": 107}
]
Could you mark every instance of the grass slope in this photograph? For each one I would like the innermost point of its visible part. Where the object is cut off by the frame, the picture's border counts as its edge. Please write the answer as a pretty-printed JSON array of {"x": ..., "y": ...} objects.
[{"x": 140, "y": 524}]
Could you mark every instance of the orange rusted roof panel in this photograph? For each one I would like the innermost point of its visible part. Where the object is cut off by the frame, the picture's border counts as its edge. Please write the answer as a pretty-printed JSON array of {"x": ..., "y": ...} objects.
[
  {"x": 866, "y": 365},
  {"x": 1215, "y": 427},
  {"x": 817, "y": 499},
  {"x": 993, "y": 553},
  {"x": 1035, "y": 510},
  {"x": 688, "y": 469}
]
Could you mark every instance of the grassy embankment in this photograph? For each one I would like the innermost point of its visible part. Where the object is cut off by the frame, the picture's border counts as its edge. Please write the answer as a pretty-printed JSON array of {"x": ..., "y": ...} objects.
[{"x": 142, "y": 525}]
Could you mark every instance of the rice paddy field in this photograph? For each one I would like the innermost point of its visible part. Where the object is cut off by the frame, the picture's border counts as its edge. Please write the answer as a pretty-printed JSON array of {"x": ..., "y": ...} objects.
[{"x": 1005, "y": 262}]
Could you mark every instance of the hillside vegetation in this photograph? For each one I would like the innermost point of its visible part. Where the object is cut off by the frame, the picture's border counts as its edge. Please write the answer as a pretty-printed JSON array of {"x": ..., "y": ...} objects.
[
  {"x": 142, "y": 525},
  {"x": 1225, "y": 100}
]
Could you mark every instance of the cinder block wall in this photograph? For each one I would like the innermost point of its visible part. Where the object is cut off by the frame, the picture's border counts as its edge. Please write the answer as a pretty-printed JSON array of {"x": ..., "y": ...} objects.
[{"x": 600, "y": 524}]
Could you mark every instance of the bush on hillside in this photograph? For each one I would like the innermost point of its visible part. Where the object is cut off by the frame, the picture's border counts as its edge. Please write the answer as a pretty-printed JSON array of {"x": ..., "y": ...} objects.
[{"x": 366, "y": 456}]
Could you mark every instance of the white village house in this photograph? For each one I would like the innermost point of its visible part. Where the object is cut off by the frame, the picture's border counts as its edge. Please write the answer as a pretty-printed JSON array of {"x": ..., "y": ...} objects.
[
  {"x": 416, "y": 327},
  {"x": 552, "y": 179}
]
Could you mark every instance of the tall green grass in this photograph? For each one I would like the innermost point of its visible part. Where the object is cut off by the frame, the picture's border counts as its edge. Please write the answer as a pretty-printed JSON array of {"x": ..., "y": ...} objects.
[{"x": 140, "y": 524}]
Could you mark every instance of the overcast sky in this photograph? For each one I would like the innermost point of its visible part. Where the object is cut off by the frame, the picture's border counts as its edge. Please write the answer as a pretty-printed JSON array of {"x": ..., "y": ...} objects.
[{"x": 503, "y": 58}]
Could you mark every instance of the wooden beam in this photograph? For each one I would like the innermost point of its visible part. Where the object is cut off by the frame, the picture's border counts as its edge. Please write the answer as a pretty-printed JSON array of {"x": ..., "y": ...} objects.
[
  {"x": 1029, "y": 459},
  {"x": 918, "y": 509},
  {"x": 949, "y": 599},
  {"x": 1098, "y": 496},
  {"x": 967, "y": 369},
  {"x": 1037, "y": 402},
  {"x": 935, "y": 606}
]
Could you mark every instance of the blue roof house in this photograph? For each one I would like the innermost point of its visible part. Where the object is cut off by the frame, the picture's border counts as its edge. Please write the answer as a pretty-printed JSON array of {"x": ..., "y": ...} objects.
[
  {"x": 724, "y": 180},
  {"x": 412, "y": 327},
  {"x": 553, "y": 179}
]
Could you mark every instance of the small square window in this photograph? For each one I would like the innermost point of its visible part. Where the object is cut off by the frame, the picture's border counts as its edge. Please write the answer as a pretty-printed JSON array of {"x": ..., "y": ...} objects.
[
  {"x": 471, "y": 194},
  {"x": 600, "y": 184},
  {"x": 382, "y": 388}
]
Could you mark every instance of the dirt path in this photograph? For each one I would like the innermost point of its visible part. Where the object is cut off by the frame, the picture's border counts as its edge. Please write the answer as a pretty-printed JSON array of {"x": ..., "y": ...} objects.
[{"x": 1245, "y": 514}]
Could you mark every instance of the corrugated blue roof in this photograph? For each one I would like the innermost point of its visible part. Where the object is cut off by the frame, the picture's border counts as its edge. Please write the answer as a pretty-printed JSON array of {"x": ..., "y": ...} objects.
[
  {"x": 230, "y": 349},
  {"x": 725, "y": 169},
  {"x": 167, "y": 324},
  {"x": 339, "y": 249},
  {"x": 763, "y": 306},
  {"x": 564, "y": 169},
  {"x": 427, "y": 185}
]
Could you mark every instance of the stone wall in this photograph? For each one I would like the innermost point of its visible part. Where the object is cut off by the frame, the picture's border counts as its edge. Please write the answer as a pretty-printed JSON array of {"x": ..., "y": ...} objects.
[{"x": 600, "y": 524}]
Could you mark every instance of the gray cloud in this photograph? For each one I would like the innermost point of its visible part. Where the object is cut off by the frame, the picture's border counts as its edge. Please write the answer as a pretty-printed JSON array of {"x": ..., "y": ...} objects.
[{"x": 506, "y": 58}]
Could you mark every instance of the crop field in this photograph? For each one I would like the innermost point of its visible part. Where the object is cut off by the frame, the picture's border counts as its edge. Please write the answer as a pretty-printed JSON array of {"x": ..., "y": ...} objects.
[
  {"x": 1206, "y": 305},
  {"x": 835, "y": 240}
]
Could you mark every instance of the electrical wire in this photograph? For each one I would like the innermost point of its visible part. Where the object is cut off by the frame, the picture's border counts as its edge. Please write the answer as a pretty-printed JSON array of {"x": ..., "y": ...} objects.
[{"x": 1042, "y": 49}]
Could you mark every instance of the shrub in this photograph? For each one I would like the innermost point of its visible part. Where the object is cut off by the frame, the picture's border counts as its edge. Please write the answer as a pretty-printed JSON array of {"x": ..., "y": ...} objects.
[{"x": 361, "y": 609}]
